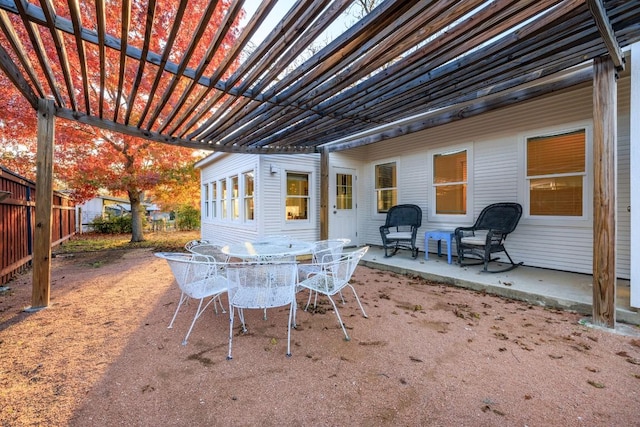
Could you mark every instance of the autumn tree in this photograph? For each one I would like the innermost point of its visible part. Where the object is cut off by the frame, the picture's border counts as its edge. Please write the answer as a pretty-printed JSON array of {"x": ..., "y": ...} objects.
[{"x": 90, "y": 159}]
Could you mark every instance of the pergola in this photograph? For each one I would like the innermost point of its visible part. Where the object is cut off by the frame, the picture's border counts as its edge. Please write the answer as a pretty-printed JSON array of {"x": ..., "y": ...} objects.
[{"x": 374, "y": 81}]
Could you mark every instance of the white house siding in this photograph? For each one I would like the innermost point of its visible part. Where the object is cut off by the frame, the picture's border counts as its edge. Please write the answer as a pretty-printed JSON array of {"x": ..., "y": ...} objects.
[
  {"x": 227, "y": 231},
  {"x": 623, "y": 219},
  {"x": 270, "y": 173},
  {"x": 273, "y": 192},
  {"x": 496, "y": 139}
]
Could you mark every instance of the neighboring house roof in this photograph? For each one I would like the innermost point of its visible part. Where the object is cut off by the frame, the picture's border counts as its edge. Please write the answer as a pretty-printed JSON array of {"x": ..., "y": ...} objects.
[
  {"x": 124, "y": 203},
  {"x": 402, "y": 59}
]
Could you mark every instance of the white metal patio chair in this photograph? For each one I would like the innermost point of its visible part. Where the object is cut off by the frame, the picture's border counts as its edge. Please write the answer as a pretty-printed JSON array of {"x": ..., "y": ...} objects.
[
  {"x": 208, "y": 251},
  {"x": 324, "y": 253},
  {"x": 261, "y": 285},
  {"x": 197, "y": 277},
  {"x": 333, "y": 278},
  {"x": 211, "y": 250},
  {"x": 193, "y": 243}
]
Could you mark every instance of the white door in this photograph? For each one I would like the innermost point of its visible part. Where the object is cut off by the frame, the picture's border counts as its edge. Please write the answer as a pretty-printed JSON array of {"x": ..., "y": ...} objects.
[{"x": 342, "y": 204}]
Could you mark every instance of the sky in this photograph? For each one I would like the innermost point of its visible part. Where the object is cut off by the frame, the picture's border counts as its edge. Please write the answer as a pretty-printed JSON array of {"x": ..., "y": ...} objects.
[{"x": 278, "y": 12}]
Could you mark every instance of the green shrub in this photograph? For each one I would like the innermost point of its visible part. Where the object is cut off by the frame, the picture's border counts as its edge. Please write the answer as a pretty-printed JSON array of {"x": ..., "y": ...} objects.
[
  {"x": 112, "y": 224},
  {"x": 187, "y": 218}
]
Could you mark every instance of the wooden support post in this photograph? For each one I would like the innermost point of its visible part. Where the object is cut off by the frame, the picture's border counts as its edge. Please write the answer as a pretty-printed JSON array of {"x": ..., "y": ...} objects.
[
  {"x": 324, "y": 194},
  {"x": 44, "y": 201},
  {"x": 604, "y": 193}
]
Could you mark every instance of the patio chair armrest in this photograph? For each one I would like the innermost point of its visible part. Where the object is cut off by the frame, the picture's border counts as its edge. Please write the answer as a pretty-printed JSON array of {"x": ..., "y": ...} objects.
[{"x": 496, "y": 236}]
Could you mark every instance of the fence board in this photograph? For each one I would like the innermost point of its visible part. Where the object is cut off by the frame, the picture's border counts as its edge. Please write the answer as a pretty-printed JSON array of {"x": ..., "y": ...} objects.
[{"x": 17, "y": 218}]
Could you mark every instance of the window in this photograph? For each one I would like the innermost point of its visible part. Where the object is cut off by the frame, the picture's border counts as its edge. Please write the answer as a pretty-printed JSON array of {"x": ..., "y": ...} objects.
[
  {"x": 223, "y": 198},
  {"x": 214, "y": 197},
  {"x": 235, "y": 198},
  {"x": 205, "y": 193},
  {"x": 450, "y": 182},
  {"x": 344, "y": 191},
  {"x": 385, "y": 186},
  {"x": 556, "y": 174},
  {"x": 232, "y": 198},
  {"x": 297, "y": 201},
  {"x": 248, "y": 196}
]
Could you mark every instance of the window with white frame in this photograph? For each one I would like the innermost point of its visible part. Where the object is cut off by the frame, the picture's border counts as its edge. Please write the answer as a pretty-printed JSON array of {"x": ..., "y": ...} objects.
[
  {"x": 450, "y": 182},
  {"x": 223, "y": 198},
  {"x": 556, "y": 174},
  {"x": 297, "y": 200},
  {"x": 344, "y": 191},
  {"x": 248, "y": 196},
  {"x": 205, "y": 200},
  {"x": 235, "y": 198},
  {"x": 214, "y": 199},
  {"x": 386, "y": 186}
]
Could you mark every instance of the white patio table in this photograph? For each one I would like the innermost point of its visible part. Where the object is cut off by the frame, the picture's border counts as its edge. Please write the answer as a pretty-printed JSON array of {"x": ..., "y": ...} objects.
[{"x": 265, "y": 250}]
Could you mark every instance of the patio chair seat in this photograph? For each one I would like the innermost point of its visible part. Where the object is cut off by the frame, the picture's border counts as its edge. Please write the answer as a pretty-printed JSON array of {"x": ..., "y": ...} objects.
[
  {"x": 399, "y": 235},
  {"x": 477, "y": 240}
]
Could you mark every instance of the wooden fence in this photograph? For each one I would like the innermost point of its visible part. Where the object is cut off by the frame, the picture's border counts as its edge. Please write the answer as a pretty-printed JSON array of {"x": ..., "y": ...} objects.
[{"x": 17, "y": 219}]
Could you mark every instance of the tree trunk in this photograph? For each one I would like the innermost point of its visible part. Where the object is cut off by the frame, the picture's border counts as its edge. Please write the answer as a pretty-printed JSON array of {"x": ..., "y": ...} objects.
[{"x": 136, "y": 215}]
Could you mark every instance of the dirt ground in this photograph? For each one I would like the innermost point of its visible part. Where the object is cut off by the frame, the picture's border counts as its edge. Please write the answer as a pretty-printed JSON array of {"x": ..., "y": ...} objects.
[{"x": 428, "y": 354}]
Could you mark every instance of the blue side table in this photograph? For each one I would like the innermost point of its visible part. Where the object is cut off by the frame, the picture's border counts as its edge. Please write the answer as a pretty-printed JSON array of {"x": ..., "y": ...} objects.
[{"x": 439, "y": 235}]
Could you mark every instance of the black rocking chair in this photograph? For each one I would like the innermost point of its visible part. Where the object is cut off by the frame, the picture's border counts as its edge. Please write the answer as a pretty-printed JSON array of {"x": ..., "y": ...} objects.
[
  {"x": 487, "y": 235},
  {"x": 400, "y": 229}
]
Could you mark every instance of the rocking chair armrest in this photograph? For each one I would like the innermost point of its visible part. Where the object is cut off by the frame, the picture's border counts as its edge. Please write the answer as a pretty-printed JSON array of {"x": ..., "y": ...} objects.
[
  {"x": 495, "y": 234},
  {"x": 464, "y": 231}
]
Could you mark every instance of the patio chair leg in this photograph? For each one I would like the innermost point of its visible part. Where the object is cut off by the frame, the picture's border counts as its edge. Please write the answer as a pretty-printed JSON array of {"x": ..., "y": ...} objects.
[
  {"x": 335, "y": 308},
  {"x": 291, "y": 318},
  {"x": 241, "y": 316},
  {"x": 215, "y": 307},
  {"x": 315, "y": 301},
  {"x": 198, "y": 312},
  {"x": 295, "y": 311},
  {"x": 231, "y": 311},
  {"x": 197, "y": 316},
  {"x": 358, "y": 300},
  {"x": 183, "y": 298}
]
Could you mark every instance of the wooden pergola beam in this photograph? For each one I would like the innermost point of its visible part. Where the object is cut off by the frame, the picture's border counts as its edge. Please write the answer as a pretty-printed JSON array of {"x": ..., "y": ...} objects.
[
  {"x": 606, "y": 32},
  {"x": 76, "y": 19},
  {"x": 108, "y": 125},
  {"x": 199, "y": 106},
  {"x": 16, "y": 44},
  {"x": 230, "y": 17},
  {"x": 258, "y": 63},
  {"x": 124, "y": 29},
  {"x": 461, "y": 111},
  {"x": 313, "y": 103},
  {"x": 13, "y": 73}
]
